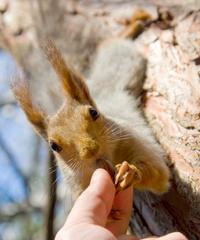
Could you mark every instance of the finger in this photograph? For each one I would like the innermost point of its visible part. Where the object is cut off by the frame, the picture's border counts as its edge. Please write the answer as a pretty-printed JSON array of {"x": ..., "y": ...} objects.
[
  {"x": 123, "y": 206},
  {"x": 123, "y": 201},
  {"x": 173, "y": 236},
  {"x": 94, "y": 204}
]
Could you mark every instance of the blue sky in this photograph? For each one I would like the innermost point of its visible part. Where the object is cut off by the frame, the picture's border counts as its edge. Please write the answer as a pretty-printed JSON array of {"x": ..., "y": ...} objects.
[{"x": 17, "y": 136}]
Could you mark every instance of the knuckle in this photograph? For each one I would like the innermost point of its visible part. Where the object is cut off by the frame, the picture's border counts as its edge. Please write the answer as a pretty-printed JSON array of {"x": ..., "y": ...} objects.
[{"x": 179, "y": 236}]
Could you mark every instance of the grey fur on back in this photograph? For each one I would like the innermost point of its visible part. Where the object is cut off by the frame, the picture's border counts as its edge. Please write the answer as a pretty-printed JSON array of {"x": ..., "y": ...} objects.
[{"x": 118, "y": 65}]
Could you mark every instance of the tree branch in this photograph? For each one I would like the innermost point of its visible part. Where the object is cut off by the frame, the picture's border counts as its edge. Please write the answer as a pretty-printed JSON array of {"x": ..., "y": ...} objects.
[
  {"x": 14, "y": 165},
  {"x": 52, "y": 196}
]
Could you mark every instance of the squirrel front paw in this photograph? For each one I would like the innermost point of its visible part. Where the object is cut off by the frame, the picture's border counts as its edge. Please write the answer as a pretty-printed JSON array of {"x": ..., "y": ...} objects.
[{"x": 127, "y": 175}]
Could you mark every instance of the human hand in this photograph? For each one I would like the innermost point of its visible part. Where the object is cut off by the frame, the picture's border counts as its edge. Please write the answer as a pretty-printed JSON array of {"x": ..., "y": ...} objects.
[{"x": 100, "y": 214}]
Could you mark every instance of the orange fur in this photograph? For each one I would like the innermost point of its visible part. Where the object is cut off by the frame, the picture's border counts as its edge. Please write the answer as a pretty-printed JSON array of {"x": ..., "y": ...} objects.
[
  {"x": 71, "y": 82},
  {"x": 136, "y": 25},
  {"x": 85, "y": 143},
  {"x": 35, "y": 115}
]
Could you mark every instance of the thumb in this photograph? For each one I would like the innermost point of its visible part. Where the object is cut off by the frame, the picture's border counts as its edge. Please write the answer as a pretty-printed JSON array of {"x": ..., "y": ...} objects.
[{"x": 94, "y": 204}]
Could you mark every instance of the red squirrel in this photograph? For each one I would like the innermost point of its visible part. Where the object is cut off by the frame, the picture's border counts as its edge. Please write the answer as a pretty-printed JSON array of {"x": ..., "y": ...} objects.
[{"x": 99, "y": 123}]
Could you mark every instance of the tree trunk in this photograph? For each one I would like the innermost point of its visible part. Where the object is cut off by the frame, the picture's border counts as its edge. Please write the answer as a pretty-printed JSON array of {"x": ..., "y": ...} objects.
[{"x": 171, "y": 99}]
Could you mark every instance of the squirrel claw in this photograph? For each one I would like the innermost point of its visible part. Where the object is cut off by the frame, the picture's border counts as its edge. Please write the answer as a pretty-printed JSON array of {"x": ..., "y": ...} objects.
[{"x": 127, "y": 175}]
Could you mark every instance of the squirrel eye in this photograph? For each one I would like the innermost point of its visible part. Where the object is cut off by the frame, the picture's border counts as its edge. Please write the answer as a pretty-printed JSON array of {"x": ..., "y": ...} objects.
[
  {"x": 93, "y": 113},
  {"x": 55, "y": 147}
]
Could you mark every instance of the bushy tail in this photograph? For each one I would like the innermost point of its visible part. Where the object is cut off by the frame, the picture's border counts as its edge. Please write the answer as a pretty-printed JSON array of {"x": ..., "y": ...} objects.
[{"x": 136, "y": 24}]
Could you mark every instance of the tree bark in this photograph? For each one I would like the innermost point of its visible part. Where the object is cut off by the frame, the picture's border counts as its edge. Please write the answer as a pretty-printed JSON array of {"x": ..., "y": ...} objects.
[{"x": 171, "y": 99}]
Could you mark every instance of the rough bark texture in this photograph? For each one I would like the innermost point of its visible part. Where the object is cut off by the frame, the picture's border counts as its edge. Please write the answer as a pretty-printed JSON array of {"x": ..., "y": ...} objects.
[{"x": 171, "y": 44}]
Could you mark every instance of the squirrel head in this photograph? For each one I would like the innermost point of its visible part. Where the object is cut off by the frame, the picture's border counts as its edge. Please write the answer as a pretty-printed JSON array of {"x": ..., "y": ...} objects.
[{"x": 79, "y": 135}]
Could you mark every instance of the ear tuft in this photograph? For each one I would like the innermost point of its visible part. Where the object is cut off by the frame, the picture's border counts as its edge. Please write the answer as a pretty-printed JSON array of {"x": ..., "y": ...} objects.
[
  {"x": 22, "y": 94},
  {"x": 72, "y": 83}
]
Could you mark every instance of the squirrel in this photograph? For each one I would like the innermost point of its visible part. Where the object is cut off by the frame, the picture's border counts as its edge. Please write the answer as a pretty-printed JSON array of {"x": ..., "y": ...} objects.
[{"x": 99, "y": 124}]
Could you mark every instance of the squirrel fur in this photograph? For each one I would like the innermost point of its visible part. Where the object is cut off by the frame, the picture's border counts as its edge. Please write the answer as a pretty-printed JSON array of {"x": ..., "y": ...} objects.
[{"x": 99, "y": 123}]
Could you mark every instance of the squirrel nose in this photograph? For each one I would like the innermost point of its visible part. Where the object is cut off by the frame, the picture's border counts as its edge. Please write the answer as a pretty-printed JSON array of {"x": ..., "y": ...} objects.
[{"x": 89, "y": 148}]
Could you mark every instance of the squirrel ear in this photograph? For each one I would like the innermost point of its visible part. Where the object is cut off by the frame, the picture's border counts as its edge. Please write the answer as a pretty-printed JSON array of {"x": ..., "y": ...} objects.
[
  {"x": 34, "y": 114},
  {"x": 72, "y": 83}
]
